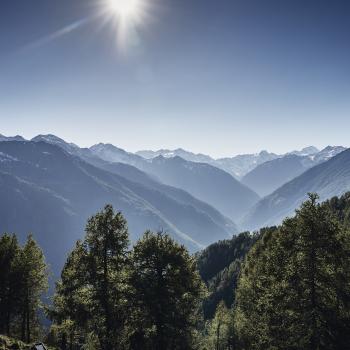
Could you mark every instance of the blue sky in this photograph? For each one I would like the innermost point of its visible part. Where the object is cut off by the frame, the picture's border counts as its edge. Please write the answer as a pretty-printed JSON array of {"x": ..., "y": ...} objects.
[{"x": 220, "y": 77}]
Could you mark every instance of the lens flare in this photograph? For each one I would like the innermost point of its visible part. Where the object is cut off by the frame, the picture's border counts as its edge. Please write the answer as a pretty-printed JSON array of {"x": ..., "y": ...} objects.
[
  {"x": 127, "y": 9},
  {"x": 126, "y": 16}
]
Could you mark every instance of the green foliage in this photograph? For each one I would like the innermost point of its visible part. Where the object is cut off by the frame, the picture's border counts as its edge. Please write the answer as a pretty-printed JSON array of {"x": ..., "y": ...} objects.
[
  {"x": 112, "y": 298},
  {"x": 33, "y": 283},
  {"x": 9, "y": 297},
  {"x": 7, "y": 343},
  {"x": 220, "y": 329},
  {"x": 91, "y": 296},
  {"x": 294, "y": 290},
  {"x": 219, "y": 266},
  {"x": 24, "y": 279},
  {"x": 167, "y": 291},
  {"x": 340, "y": 207}
]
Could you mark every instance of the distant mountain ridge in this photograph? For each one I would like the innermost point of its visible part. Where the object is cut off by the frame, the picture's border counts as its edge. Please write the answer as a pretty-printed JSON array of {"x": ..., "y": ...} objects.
[
  {"x": 200, "y": 182},
  {"x": 179, "y": 152},
  {"x": 11, "y": 138},
  {"x": 269, "y": 176},
  {"x": 51, "y": 193},
  {"x": 238, "y": 166},
  {"x": 203, "y": 181},
  {"x": 329, "y": 178}
]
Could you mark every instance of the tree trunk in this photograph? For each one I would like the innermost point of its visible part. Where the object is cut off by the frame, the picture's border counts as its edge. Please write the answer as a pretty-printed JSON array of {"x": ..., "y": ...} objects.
[
  {"x": 28, "y": 325},
  {"x": 8, "y": 323},
  {"x": 218, "y": 336},
  {"x": 105, "y": 303},
  {"x": 23, "y": 326},
  {"x": 312, "y": 269}
]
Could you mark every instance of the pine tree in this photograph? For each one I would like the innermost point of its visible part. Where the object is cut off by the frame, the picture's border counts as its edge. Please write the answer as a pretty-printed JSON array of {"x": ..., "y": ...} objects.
[
  {"x": 71, "y": 311},
  {"x": 91, "y": 296},
  {"x": 220, "y": 328},
  {"x": 294, "y": 289},
  {"x": 9, "y": 251},
  {"x": 166, "y": 294},
  {"x": 33, "y": 275},
  {"x": 106, "y": 260}
]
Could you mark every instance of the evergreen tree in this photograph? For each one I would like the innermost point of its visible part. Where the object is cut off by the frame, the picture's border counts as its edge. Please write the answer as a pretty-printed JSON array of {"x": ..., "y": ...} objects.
[
  {"x": 294, "y": 289},
  {"x": 220, "y": 329},
  {"x": 106, "y": 244},
  {"x": 71, "y": 311},
  {"x": 33, "y": 284},
  {"x": 91, "y": 296},
  {"x": 167, "y": 290},
  {"x": 9, "y": 250}
]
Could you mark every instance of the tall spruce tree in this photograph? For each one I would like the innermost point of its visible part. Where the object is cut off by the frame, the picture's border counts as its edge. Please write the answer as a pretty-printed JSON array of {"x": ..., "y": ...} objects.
[
  {"x": 294, "y": 290},
  {"x": 167, "y": 290},
  {"x": 9, "y": 291},
  {"x": 33, "y": 275},
  {"x": 106, "y": 244},
  {"x": 91, "y": 296},
  {"x": 220, "y": 329},
  {"x": 71, "y": 302}
]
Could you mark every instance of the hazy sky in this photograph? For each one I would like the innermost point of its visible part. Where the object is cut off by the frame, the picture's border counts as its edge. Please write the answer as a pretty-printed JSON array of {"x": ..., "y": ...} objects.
[{"x": 215, "y": 76}]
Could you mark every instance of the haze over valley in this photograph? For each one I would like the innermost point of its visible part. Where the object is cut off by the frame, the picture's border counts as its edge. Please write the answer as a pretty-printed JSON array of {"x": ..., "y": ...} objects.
[{"x": 53, "y": 186}]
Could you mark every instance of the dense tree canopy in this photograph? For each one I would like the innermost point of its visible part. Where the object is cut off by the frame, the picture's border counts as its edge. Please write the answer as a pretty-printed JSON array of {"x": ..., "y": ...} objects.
[
  {"x": 112, "y": 298},
  {"x": 294, "y": 291},
  {"x": 23, "y": 281},
  {"x": 285, "y": 287},
  {"x": 167, "y": 291}
]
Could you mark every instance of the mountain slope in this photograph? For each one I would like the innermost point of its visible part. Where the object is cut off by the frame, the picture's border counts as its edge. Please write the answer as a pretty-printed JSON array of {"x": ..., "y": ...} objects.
[
  {"x": 328, "y": 179},
  {"x": 112, "y": 153},
  {"x": 51, "y": 193},
  {"x": 242, "y": 164},
  {"x": 179, "y": 152},
  {"x": 133, "y": 174},
  {"x": 269, "y": 176},
  {"x": 205, "y": 182},
  {"x": 11, "y": 138},
  {"x": 237, "y": 166},
  {"x": 219, "y": 266}
]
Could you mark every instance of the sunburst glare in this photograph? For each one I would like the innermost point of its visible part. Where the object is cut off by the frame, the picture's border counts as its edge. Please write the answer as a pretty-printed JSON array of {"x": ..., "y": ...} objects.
[
  {"x": 126, "y": 16},
  {"x": 126, "y": 9}
]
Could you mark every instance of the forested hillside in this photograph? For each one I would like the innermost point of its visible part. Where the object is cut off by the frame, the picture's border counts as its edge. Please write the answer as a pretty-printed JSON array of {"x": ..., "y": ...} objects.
[
  {"x": 219, "y": 266},
  {"x": 284, "y": 287}
]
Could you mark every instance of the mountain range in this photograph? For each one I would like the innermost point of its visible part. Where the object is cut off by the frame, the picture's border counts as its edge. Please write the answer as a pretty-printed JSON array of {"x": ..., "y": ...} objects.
[
  {"x": 204, "y": 181},
  {"x": 328, "y": 179},
  {"x": 268, "y": 176},
  {"x": 52, "y": 186},
  {"x": 237, "y": 166},
  {"x": 51, "y": 193}
]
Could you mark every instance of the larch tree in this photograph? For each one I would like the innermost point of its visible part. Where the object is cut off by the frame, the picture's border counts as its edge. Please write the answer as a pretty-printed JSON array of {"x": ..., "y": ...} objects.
[
  {"x": 294, "y": 290},
  {"x": 167, "y": 291}
]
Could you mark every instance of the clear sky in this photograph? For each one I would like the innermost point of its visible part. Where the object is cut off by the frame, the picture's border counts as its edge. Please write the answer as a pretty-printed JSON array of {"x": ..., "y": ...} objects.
[{"x": 220, "y": 77}]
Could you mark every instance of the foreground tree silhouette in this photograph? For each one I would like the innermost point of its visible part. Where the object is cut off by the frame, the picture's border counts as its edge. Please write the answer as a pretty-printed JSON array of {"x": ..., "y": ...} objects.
[
  {"x": 23, "y": 281},
  {"x": 9, "y": 292},
  {"x": 91, "y": 293},
  {"x": 167, "y": 290},
  {"x": 111, "y": 298},
  {"x": 294, "y": 290},
  {"x": 220, "y": 329},
  {"x": 33, "y": 283}
]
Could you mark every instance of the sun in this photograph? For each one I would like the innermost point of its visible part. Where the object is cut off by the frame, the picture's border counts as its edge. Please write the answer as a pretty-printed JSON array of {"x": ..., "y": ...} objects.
[
  {"x": 125, "y": 9},
  {"x": 127, "y": 17}
]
